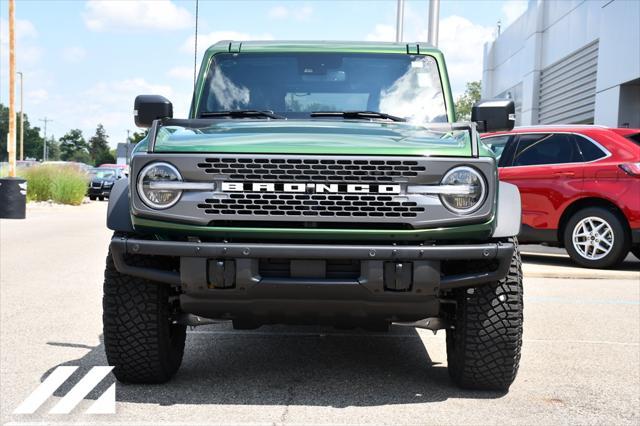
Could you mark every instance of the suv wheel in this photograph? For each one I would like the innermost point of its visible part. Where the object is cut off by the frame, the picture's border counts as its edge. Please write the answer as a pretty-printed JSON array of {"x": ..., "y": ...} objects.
[
  {"x": 596, "y": 238},
  {"x": 140, "y": 340},
  {"x": 483, "y": 346}
]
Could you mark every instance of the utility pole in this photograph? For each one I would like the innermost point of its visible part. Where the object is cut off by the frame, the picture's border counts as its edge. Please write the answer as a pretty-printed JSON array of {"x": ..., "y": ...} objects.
[
  {"x": 21, "y": 119},
  {"x": 128, "y": 139},
  {"x": 44, "y": 146},
  {"x": 434, "y": 22},
  {"x": 399, "y": 20},
  {"x": 11, "y": 146}
]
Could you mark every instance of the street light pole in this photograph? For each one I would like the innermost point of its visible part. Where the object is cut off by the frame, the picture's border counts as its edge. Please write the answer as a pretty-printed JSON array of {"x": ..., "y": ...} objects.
[
  {"x": 399, "y": 20},
  {"x": 11, "y": 147},
  {"x": 21, "y": 119}
]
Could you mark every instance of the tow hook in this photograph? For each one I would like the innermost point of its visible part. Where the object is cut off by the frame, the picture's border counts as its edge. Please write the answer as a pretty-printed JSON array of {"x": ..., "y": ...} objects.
[
  {"x": 433, "y": 324},
  {"x": 194, "y": 320}
]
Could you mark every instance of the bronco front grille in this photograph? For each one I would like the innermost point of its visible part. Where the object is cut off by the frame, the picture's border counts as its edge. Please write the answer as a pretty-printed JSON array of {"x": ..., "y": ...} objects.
[
  {"x": 305, "y": 169},
  {"x": 309, "y": 205},
  {"x": 311, "y": 191}
]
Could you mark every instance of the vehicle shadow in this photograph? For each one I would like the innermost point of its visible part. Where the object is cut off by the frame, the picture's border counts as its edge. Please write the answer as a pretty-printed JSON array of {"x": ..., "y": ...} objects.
[
  {"x": 542, "y": 259},
  {"x": 279, "y": 365}
]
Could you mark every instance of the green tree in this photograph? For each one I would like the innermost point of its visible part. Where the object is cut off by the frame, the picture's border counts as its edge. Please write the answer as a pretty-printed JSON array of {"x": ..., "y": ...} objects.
[
  {"x": 32, "y": 139},
  {"x": 99, "y": 147},
  {"x": 465, "y": 101},
  {"x": 73, "y": 147},
  {"x": 137, "y": 137}
]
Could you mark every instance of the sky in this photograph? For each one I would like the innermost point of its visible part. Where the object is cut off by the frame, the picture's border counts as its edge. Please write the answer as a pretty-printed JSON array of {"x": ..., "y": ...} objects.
[{"x": 85, "y": 61}]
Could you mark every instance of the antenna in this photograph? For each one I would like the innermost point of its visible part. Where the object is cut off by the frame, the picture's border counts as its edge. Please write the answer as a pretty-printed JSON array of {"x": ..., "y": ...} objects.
[{"x": 399, "y": 20}]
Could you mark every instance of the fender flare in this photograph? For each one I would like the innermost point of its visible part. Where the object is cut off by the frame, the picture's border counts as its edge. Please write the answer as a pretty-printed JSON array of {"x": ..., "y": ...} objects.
[
  {"x": 118, "y": 214},
  {"x": 509, "y": 211}
]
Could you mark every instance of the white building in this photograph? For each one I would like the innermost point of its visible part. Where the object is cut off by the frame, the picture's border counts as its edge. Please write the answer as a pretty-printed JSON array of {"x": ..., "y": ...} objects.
[{"x": 569, "y": 61}]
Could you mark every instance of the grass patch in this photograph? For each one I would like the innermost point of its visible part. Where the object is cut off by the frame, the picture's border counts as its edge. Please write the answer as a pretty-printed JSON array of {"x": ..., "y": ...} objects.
[{"x": 61, "y": 184}]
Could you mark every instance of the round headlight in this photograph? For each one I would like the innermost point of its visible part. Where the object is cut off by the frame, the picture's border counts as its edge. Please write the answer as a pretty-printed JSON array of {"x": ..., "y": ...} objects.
[
  {"x": 472, "y": 194},
  {"x": 150, "y": 187}
]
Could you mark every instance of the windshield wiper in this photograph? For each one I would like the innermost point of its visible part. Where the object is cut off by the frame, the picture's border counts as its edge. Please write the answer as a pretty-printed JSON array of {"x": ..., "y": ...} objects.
[
  {"x": 356, "y": 115},
  {"x": 242, "y": 113}
]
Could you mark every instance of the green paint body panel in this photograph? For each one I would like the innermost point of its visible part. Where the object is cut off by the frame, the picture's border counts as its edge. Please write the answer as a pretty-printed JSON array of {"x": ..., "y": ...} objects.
[
  {"x": 480, "y": 231},
  {"x": 321, "y": 137},
  {"x": 348, "y": 137}
]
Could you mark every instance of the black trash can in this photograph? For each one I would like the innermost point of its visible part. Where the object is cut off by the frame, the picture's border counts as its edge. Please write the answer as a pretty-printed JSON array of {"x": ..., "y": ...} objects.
[{"x": 13, "y": 198}]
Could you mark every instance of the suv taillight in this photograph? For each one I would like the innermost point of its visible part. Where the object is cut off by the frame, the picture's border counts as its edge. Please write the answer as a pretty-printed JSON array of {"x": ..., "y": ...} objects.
[{"x": 632, "y": 169}]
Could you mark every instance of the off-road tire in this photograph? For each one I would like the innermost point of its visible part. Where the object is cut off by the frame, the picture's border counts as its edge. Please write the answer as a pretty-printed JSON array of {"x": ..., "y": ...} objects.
[
  {"x": 621, "y": 243},
  {"x": 483, "y": 346},
  {"x": 140, "y": 341}
]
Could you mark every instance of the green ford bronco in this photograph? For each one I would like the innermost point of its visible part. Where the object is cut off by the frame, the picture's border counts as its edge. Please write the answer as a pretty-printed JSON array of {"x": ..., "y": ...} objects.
[{"x": 315, "y": 183}]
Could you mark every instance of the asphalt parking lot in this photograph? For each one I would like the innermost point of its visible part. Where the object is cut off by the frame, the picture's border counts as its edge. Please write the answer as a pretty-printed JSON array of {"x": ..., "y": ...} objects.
[{"x": 580, "y": 365}]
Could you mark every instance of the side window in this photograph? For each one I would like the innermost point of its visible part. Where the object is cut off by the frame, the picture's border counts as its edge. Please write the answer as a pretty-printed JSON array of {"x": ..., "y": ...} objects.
[
  {"x": 496, "y": 144},
  {"x": 590, "y": 151},
  {"x": 538, "y": 149}
]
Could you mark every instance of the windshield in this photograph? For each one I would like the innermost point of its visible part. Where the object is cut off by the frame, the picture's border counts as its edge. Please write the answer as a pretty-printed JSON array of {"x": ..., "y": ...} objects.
[
  {"x": 294, "y": 85},
  {"x": 103, "y": 173}
]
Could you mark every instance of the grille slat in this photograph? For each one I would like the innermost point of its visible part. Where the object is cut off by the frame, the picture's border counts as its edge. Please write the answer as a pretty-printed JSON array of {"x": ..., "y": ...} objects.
[
  {"x": 334, "y": 205},
  {"x": 288, "y": 169}
]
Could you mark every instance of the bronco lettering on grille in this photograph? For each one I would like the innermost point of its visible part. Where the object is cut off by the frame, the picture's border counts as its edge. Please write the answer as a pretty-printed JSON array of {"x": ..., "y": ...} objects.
[{"x": 310, "y": 188}]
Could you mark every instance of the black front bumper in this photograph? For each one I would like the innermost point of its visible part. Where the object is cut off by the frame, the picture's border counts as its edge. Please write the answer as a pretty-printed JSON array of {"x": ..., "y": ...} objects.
[
  {"x": 99, "y": 192},
  {"x": 392, "y": 283}
]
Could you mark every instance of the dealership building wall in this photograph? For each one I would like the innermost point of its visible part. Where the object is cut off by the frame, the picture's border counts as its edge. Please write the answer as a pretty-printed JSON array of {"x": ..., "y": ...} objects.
[{"x": 569, "y": 62}]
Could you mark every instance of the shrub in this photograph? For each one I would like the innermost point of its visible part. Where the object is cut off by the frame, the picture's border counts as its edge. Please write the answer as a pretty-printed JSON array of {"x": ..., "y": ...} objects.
[{"x": 61, "y": 184}]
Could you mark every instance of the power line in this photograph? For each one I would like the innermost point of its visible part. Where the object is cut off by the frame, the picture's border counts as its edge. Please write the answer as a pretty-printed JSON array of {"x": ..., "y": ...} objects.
[{"x": 44, "y": 146}]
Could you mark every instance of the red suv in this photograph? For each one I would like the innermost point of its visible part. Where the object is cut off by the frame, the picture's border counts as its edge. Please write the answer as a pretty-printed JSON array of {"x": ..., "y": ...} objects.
[{"x": 580, "y": 188}]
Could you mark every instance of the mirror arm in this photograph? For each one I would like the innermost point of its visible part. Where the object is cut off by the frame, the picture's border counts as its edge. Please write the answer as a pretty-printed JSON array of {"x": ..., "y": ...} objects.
[{"x": 153, "y": 132}]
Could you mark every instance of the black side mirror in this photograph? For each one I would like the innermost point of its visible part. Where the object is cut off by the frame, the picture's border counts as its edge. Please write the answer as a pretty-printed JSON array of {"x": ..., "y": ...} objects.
[
  {"x": 492, "y": 115},
  {"x": 151, "y": 107}
]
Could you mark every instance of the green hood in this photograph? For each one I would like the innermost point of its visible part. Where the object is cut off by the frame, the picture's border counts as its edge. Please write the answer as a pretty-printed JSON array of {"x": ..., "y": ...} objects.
[{"x": 341, "y": 137}]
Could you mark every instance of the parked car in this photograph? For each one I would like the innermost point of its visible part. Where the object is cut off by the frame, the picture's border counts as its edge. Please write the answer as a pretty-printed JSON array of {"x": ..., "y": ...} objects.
[
  {"x": 102, "y": 180},
  {"x": 123, "y": 167},
  {"x": 580, "y": 188}
]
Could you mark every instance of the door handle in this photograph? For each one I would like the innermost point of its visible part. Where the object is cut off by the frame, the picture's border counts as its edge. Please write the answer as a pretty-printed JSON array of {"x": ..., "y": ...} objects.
[{"x": 565, "y": 174}]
